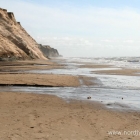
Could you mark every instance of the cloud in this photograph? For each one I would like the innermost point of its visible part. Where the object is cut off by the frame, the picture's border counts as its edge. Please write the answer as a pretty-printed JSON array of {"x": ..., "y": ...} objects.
[
  {"x": 128, "y": 41},
  {"x": 107, "y": 40},
  {"x": 75, "y": 31},
  {"x": 66, "y": 41}
]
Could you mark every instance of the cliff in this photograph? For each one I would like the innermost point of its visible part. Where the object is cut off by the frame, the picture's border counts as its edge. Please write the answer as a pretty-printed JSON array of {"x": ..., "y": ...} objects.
[
  {"x": 48, "y": 51},
  {"x": 15, "y": 42}
]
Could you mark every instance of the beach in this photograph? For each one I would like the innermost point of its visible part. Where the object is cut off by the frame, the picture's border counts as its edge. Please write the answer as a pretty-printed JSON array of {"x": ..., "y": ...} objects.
[
  {"x": 32, "y": 115},
  {"x": 69, "y": 70}
]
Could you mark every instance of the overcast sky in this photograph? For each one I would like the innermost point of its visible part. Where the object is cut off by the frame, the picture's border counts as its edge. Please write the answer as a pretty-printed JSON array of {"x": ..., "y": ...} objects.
[{"x": 85, "y": 28}]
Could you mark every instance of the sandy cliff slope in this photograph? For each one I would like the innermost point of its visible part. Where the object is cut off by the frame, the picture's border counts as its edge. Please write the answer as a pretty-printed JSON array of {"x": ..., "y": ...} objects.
[{"x": 15, "y": 42}]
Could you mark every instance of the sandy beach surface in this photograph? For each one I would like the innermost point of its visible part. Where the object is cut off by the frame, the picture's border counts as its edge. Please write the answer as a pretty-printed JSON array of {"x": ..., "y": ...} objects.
[
  {"x": 124, "y": 71},
  {"x": 44, "y": 117},
  {"x": 14, "y": 66},
  {"x": 30, "y": 116},
  {"x": 47, "y": 80}
]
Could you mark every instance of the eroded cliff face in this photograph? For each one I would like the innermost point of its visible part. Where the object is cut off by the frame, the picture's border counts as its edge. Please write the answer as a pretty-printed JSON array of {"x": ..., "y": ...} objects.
[
  {"x": 48, "y": 51},
  {"x": 15, "y": 42}
]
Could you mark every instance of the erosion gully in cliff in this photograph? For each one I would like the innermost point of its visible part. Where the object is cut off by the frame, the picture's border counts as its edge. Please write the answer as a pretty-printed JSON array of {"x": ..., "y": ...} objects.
[{"x": 15, "y": 42}]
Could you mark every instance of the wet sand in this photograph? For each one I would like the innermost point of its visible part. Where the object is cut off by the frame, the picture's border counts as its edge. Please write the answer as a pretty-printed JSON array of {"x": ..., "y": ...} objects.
[
  {"x": 94, "y": 66},
  {"x": 33, "y": 116},
  {"x": 15, "y": 66},
  {"x": 47, "y": 80},
  {"x": 127, "y": 72},
  {"x": 11, "y": 74}
]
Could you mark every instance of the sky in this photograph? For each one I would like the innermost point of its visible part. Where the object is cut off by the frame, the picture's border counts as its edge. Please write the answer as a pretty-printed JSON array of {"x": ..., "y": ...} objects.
[{"x": 81, "y": 28}]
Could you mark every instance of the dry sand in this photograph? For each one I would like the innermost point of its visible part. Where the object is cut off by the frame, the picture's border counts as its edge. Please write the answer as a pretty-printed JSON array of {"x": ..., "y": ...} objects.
[{"x": 45, "y": 117}]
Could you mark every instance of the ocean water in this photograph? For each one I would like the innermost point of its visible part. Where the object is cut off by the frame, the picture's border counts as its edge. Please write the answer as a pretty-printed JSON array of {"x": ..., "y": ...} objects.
[
  {"x": 125, "y": 62},
  {"x": 114, "y": 91}
]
